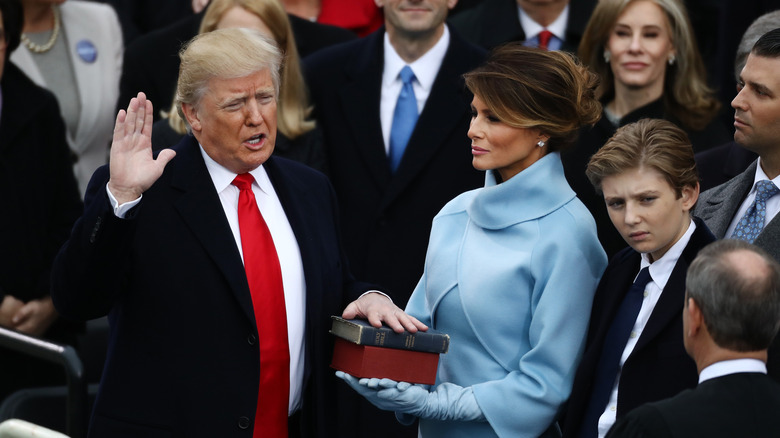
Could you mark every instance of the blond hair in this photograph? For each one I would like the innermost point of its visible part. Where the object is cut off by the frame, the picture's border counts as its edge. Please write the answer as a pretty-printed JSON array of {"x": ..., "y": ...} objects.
[
  {"x": 293, "y": 108},
  {"x": 224, "y": 53}
]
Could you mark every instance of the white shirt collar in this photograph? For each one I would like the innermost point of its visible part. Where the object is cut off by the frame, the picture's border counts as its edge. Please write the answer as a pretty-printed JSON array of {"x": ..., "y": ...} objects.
[
  {"x": 425, "y": 68},
  {"x": 223, "y": 178},
  {"x": 761, "y": 175},
  {"x": 661, "y": 269},
  {"x": 532, "y": 28},
  {"x": 726, "y": 367}
]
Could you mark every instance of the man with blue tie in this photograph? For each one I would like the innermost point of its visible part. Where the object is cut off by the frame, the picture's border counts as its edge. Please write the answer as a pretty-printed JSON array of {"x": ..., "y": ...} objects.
[
  {"x": 746, "y": 207},
  {"x": 394, "y": 114}
]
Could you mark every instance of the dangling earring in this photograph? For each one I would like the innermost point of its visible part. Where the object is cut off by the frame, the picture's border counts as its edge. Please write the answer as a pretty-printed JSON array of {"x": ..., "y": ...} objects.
[
  {"x": 540, "y": 143},
  {"x": 671, "y": 59},
  {"x": 607, "y": 56}
]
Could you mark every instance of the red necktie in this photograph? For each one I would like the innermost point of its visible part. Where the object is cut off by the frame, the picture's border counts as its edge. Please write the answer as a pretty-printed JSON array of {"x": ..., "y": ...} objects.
[
  {"x": 544, "y": 38},
  {"x": 264, "y": 276}
]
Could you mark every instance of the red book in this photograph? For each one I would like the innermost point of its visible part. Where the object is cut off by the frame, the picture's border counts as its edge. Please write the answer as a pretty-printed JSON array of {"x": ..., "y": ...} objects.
[{"x": 392, "y": 363}]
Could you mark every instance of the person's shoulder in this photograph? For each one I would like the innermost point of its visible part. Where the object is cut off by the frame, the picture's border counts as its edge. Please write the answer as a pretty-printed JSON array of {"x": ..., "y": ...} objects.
[
  {"x": 729, "y": 186},
  {"x": 337, "y": 54}
]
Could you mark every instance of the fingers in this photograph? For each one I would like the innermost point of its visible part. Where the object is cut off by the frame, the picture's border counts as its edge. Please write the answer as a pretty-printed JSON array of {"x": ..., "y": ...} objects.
[
  {"x": 23, "y": 314},
  {"x": 146, "y": 127},
  {"x": 351, "y": 311}
]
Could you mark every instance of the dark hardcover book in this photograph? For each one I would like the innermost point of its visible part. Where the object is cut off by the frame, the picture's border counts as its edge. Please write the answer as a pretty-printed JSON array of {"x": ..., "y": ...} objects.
[
  {"x": 392, "y": 363},
  {"x": 361, "y": 332}
]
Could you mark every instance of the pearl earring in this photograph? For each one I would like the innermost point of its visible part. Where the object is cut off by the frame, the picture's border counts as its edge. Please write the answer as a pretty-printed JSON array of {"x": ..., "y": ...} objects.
[
  {"x": 607, "y": 56},
  {"x": 540, "y": 143},
  {"x": 671, "y": 59}
]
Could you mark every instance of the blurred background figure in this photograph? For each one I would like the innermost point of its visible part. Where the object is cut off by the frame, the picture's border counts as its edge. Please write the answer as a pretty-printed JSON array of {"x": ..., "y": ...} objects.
[
  {"x": 359, "y": 16},
  {"x": 634, "y": 354},
  {"x": 721, "y": 163},
  {"x": 40, "y": 204},
  {"x": 74, "y": 49},
  {"x": 731, "y": 315},
  {"x": 298, "y": 136},
  {"x": 139, "y": 17},
  {"x": 647, "y": 57},
  {"x": 495, "y": 22}
]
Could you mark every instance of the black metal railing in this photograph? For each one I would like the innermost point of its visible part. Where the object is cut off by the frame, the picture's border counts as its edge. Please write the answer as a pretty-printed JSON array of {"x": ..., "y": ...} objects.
[{"x": 65, "y": 355}]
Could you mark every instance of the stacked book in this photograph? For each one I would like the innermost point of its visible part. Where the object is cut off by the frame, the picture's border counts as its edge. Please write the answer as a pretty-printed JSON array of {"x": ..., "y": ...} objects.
[{"x": 363, "y": 350}]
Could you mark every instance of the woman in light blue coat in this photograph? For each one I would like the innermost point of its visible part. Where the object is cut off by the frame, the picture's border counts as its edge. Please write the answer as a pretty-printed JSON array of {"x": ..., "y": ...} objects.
[{"x": 512, "y": 267}]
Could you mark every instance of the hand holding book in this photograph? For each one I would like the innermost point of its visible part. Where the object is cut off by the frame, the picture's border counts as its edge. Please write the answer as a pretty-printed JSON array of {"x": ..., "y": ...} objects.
[{"x": 446, "y": 402}]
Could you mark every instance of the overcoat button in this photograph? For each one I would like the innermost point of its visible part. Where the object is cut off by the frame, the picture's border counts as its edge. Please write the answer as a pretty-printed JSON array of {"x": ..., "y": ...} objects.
[{"x": 243, "y": 422}]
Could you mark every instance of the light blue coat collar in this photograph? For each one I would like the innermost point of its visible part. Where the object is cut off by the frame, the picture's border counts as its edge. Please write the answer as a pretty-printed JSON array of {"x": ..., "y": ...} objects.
[{"x": 541, "y": 188}]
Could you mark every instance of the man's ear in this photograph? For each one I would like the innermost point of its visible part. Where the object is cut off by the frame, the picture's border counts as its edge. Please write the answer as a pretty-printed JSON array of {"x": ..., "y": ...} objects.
[
  {"x": 695, "y": 319},
  {"x": 191, "y": 114}
]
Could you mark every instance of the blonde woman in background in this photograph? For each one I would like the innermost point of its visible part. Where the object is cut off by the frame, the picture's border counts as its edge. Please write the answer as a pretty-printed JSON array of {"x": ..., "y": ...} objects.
[{"x": 298, "y": 137}]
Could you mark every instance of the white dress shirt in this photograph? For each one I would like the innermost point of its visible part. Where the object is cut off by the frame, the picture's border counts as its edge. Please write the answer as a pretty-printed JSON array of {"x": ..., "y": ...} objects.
[
  {"x": 425, "y": 70},
  {"x": 734, "y": 366},
  {"x": 286, "y": 248},
  {"x": 532, "y": 29},
  {"x": 772, "y": 204},
  {"x": 660, "y": 270}
]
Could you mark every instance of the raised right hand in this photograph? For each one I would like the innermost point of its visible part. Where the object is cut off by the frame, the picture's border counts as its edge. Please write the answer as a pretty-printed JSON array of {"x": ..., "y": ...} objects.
[{"x": 133, "y": 167}]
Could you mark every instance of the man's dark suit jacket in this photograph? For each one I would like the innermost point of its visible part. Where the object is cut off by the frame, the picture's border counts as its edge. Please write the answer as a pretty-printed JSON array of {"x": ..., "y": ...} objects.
[
  {"x": 721, "y": 163},
  {"x": 494, "y": 22},
  {"x": 41, "y": 201},
  {"x": 658, "y": 367},
  {"x": 717, "y": 208},
  {"x": 151, "y": 63},
  {"x": 735, "y": 405},
  {"x": 183, "y": 357},
  {"x": 386, "y": 217}
]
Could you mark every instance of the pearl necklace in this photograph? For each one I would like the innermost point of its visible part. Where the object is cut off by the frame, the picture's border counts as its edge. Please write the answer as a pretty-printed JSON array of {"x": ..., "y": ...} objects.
[{"x": 38, "y": 48}]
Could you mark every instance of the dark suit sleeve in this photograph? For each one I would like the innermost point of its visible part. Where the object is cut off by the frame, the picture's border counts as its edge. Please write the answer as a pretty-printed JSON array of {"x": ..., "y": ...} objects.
[
  {"x": 643, "y": 422},
  {"x": 89, "y": 270}
]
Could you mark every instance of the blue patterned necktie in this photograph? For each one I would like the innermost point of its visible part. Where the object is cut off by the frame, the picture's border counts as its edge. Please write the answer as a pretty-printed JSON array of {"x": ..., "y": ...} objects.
[
  {"x": 404, "y": 118},
  {"x": 614, "y": 344},
  {"x": 752, "y": 222}
]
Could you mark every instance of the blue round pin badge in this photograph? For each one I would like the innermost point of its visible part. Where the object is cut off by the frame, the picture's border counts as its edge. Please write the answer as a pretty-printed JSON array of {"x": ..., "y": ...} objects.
[{"x": 87, "y": 51}]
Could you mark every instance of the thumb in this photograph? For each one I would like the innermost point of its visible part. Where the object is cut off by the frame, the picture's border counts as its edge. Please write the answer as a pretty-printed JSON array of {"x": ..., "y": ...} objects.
[{"x": 165, "y": 156}]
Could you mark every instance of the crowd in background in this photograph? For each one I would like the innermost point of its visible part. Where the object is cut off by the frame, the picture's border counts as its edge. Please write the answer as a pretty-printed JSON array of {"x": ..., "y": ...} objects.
[{"x": 68, "y": 65}]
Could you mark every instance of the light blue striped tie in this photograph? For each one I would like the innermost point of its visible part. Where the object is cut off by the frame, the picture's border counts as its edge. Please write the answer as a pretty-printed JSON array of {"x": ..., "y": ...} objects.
[
  {"x": 404, "y": 118},
  {"x": 752, "y": 222}
]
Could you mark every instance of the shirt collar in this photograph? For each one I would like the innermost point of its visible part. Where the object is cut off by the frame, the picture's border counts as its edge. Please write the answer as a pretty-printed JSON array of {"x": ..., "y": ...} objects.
[
  {"x": 557, "y": 27},
  {"x": 661, "y": 269},
  {"x": 726, "y": 367},
  {"x": 425, "y": 68},
  {"x": 223, "y": 178},
  {"x": 761, "y": 175}
]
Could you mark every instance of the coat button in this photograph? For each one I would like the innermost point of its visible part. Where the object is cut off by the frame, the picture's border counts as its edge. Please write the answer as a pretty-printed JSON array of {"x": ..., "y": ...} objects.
[
  {"x": 243, "y": 422},
  {"x": 251, "y": 339}
]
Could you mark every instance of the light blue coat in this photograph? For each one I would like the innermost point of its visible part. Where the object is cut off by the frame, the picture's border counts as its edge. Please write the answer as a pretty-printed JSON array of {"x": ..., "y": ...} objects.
[{"x": 510, "y": 275}]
